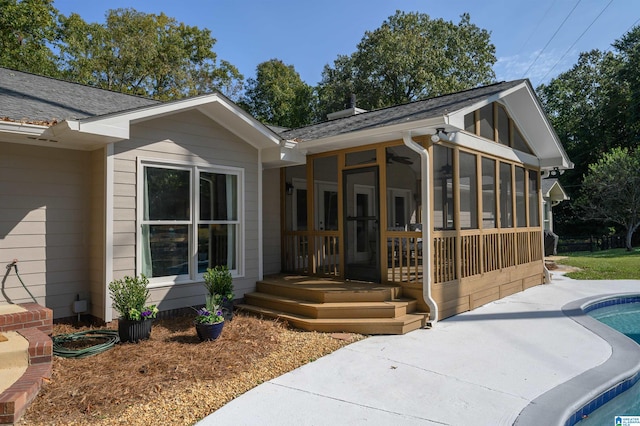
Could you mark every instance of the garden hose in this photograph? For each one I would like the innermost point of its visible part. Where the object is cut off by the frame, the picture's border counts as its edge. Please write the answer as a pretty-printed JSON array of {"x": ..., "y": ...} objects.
[
  {"x": 111, "y": 337},
  {"x": 14, "y": 264}
]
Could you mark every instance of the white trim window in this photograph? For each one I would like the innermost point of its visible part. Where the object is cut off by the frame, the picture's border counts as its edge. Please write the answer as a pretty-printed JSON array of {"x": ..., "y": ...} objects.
[{"x": 190, "y": 219}]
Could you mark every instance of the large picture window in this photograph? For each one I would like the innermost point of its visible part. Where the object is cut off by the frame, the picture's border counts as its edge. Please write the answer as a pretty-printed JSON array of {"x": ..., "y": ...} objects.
[{"x": 190, "y": 220}]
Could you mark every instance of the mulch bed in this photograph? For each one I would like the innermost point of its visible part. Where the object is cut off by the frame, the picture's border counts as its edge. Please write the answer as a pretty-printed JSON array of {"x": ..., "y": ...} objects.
[{"x": 173, "y": 378}]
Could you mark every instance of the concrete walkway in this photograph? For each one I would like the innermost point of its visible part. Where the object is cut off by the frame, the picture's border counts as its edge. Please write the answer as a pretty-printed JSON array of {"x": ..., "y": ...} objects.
[{"x": 479, "y": 368}]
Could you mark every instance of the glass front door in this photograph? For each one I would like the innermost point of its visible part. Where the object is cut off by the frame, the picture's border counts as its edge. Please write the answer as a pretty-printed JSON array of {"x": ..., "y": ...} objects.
[{"x": 362, "y": 225}]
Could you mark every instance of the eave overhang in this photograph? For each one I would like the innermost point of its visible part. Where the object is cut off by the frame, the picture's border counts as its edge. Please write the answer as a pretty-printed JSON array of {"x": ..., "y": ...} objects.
[
  {"x": 92, "y": 133},
  {"x": 524, "y": 108},
  {"x": 521, "y": 103},
  {"x": 374, "y": 135}
]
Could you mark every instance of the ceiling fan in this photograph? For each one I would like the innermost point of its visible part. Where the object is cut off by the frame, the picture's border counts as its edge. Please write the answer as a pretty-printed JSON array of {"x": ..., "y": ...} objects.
[{"x": 391, "y": 157}]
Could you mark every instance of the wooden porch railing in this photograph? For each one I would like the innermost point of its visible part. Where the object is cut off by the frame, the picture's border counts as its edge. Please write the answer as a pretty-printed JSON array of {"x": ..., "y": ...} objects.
[
  {"x": 317, "y": 252},
  {"x": 483, "y": 251},
  {"x": 314, "y": 253},
  {"x": 404, "y": 256}
]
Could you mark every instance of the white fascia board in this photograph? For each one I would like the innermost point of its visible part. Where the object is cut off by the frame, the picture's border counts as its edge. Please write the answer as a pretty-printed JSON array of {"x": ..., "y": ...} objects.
[
  {"x": 456, "y": 118},
  {"x": 22, "y": 128},
  {"x": 556, "y": 193},
  {"x": 479, "y": 144},
  {"x": 553, "y": 162},
  {"x": 117, "y": 125},
  {"x": 240, "y": 123},
  {"x": 36, "y": 135},
  {"x": 68, "y": 135},
  {"x": 527, "y": 113},
  {"x": 532, "y": 119},
  {"x": 369, "y": 136},
  {"x": 247, "y": 118},
  {"x": 114, "y": 127},
  {"x": 279, "y": 156}
]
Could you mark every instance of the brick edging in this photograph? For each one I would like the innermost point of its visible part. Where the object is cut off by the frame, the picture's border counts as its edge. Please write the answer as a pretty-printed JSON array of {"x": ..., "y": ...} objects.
[{"x": 34, "y": 325}]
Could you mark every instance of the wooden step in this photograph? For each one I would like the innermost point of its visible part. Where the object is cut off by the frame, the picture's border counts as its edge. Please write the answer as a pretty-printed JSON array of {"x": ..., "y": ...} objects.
[
  {"x": 386, "y": 309},
  {"x": 328, "y": 291},
  {"x": 399, "y": 325}
]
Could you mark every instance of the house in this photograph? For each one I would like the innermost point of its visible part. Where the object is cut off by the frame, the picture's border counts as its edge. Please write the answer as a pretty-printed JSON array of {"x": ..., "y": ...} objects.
[
  {"x": 552, "y": 194},
  {"x": 437, "y": 201}
]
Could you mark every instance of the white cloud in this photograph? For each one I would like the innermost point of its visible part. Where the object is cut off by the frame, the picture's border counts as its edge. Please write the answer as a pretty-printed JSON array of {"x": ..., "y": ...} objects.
[{"x": 547, "y": 66}]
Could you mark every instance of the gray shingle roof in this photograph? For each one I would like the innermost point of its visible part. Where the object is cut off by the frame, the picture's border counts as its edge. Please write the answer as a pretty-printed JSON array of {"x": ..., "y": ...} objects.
[
  {"x": 414, "y": 111},
  {"x": 546, "y": 184},
  {"x": 33, "y": 98}
]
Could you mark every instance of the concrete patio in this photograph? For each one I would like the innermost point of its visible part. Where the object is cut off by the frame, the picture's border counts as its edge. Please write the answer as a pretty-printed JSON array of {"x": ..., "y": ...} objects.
[{"x": 478, "y": 368}]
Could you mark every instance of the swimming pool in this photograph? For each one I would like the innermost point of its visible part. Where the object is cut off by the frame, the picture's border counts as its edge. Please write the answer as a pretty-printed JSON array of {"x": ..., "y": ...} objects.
[
  {"x": 568, "y": 403},
  {"x": 623, "y": 315}
]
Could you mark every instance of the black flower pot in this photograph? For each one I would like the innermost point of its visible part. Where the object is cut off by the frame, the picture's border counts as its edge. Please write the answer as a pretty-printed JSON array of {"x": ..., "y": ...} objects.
[
  {"x": 134, "y": 330},
  {"x": 209, "y": 331},
  {"x": 227, "y": 310}
]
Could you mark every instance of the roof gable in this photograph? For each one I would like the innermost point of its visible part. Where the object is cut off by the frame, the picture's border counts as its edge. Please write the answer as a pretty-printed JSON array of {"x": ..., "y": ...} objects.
[
  {"x": 552, "y": 189},
  {"x": 446, "y": 112},
  {"x": 41, "y": 110},
  {"x": 399, "y": 114}
]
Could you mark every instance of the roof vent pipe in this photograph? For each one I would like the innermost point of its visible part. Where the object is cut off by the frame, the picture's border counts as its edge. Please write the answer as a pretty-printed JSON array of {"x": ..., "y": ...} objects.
[{"x": 427, "y": 241}]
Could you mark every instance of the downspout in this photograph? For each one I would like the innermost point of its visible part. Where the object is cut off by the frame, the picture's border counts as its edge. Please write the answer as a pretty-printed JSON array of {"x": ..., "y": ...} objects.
[
  {"x": 109, "y": 159},
  {"x": 427, "y": 241},
  {"x": 260, "y": 218},
  {"x": 545, "y": 270}
]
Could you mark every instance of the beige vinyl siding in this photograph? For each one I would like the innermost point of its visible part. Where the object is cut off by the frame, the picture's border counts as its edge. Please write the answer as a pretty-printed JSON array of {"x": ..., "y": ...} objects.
[
  {"x": 44, "y": 212},
  {"x": 187, "y": 137},
  {"x": 271, "y": 220},
  {"x": 97, "y": 241}
]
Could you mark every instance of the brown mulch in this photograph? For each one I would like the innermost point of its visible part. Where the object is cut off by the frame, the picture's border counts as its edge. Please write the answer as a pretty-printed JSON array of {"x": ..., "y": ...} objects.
[{"x": 173, "y": 378}]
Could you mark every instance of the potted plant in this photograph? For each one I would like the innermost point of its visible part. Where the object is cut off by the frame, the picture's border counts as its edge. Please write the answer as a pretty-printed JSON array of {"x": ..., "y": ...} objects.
[
  {"x": 209, "y": 322},
  {"x": 219, "y": 284},
  {"x": 129, "y": 296}
]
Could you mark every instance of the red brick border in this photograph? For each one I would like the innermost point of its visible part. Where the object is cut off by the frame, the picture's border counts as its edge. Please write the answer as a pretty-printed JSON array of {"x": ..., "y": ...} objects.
[
  {"x": 33, "y": 325},
  {"x": 35, "y": 316}
]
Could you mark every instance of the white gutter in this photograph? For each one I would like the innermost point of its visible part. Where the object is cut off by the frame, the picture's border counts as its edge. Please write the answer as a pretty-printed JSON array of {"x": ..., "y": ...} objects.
[
  {"x": 109, "y": 160},
  {"x": 545, "y": 270},
  {"x": 427, "y": 241},
  {"x": 260, "y": 219}
]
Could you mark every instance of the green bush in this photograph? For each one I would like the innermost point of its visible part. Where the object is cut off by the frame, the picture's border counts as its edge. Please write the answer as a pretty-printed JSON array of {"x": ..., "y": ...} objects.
[
  {"x": 219, "y": 283},
  {"x": 129, "y": 296}
]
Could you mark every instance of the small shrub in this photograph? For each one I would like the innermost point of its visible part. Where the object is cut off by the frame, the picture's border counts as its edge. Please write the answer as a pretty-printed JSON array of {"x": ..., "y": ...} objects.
[{"x": 130, "y": 295}]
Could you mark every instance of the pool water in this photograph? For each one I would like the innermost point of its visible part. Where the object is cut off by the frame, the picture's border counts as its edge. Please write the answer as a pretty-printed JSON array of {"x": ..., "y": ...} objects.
[{"x": 625, "y": 318}]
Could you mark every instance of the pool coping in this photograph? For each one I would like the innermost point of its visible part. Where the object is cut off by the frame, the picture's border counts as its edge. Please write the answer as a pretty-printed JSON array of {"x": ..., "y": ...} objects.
[{"x": 565, "y": 404}]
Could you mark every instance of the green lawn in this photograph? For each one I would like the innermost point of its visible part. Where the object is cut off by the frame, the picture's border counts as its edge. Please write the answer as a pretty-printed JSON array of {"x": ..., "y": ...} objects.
[{"x": 617, "y": 264}]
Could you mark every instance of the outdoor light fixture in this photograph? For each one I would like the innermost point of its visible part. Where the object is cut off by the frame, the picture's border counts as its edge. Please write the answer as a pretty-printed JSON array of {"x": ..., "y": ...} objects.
[
  {"x": 289, "y": 188},
  {"x": 551, "y": 174},
  {"x": 439, "y": 135}
]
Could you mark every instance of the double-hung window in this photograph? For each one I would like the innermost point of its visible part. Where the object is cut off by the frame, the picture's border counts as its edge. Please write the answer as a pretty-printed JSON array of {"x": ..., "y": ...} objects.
[{"x": 189, "y": 220}]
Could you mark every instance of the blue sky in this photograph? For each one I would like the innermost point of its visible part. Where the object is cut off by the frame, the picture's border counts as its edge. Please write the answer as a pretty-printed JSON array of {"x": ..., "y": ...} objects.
[{"x": 530, "y": 37}]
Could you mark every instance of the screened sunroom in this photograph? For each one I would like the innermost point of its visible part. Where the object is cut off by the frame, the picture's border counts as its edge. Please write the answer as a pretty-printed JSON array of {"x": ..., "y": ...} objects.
[{"x": 455, "y": 208}]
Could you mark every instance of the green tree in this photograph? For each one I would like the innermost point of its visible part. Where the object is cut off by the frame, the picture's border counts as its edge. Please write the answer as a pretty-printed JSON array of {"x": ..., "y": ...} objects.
[
  {"x": 410, "y": 57},
  {"x": 278, "y": 95},
  {"x": 611, "y": 190},
  {"x": 144, "y": 54},
  {"x": 628, "y": 48},
  {"x": 593, "y": 108},
  {"x": 581, "y": 105},
  {"x": 27, "y": 28}
]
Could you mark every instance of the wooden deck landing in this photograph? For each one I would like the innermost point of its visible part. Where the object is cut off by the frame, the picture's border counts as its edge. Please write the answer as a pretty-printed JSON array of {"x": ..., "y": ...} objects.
[{"x": 329, "y": 305}]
